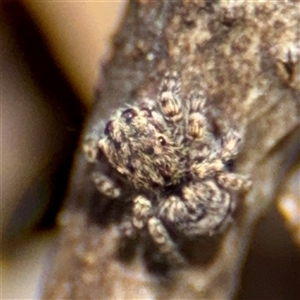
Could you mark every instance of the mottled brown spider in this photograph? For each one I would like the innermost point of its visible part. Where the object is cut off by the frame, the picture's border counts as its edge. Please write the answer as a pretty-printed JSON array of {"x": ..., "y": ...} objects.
[{"x": 166, "y": 150}]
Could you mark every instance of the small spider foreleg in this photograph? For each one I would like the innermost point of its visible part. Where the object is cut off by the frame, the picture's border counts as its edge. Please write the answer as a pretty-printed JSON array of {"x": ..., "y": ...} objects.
[
  {"x": 230, "y": 145},
  {"x": 163, "y": 240},
  {"x": 172, "y": 208},
  {"x": 197, "y": 121},
  {"x": 197, "y": 126},
  {"x": 90, "y": 149},
  {"x": 197, "y": 102},
  {"x": 234, "y": 182},
  {"x": 207, "y": 168},
  {"x": 105, "y": 185},
  {"x": 141, "y": 211},
  {"x": 169, "y": 100},
  {"x": 127, "y": 229}
]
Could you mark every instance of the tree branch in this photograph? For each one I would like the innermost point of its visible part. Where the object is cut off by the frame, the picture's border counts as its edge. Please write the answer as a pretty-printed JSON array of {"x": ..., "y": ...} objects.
[{"x": 245, "y": 56}]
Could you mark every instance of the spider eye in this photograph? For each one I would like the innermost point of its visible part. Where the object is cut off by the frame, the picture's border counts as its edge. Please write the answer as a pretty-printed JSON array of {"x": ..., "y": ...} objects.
[
  {"x": 108, "y": 128},
  {"x": 162, "y": 141},
  {"x": 128, "y": 114}
]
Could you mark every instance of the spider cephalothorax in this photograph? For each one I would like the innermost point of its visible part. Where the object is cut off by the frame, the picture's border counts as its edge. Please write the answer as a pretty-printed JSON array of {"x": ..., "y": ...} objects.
[
  {"x": 140, "y": 145},
  {"x": 166, "y": 149}
]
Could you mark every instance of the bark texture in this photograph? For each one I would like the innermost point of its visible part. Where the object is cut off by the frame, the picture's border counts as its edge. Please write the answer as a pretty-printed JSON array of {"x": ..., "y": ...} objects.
[{"x": 245, "y": 56}]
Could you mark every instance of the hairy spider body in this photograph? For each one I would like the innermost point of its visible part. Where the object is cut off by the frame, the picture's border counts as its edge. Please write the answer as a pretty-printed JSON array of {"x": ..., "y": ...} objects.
[{"x": 166, "y": 149}]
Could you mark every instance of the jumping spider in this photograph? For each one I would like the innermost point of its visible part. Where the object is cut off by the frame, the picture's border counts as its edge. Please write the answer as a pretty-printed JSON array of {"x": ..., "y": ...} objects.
[{"x": 179, "y": 168}]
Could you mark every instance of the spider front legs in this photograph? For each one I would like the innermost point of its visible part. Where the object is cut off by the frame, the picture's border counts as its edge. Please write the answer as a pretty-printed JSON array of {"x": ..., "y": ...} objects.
[
  {"x": 143, "y": 216},
  {"x": 142, "y": 209},
  {"x": 163, "y": 240},
  {"x": 105, "y": 185}
]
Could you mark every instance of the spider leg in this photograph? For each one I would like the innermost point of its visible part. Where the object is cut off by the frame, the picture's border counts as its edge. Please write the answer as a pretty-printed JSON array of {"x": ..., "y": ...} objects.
[
  {"x": 207, "y": 168},
  {"x": 90, "y": 148},
  {"x": 163, "y": 240},
  {"x": 197, "y": 127},
  {"x": 170, "y": 101},
  {"x": 127, "y": 229},
  {"x": 105, "y": 185},
  {"x": 230, "y": 145},
  {"x": 142, "y": 209},
  {"x": 234, "y": 182}
]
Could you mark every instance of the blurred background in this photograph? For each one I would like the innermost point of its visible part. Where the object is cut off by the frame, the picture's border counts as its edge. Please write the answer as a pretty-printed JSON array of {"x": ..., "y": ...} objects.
[{"x": 51, "y": 54}]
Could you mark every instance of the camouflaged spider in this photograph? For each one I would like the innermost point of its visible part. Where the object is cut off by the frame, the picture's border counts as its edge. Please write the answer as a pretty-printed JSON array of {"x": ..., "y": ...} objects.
[{"x": 165, "y": 148}]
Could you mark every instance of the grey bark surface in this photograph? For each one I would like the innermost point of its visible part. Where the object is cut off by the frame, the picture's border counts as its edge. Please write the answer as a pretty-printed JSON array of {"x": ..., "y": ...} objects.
[{"x": 245, "y": 56}]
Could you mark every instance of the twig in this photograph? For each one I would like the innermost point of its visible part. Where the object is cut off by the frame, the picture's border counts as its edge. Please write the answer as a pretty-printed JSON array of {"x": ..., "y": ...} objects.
[{"x": 245, "y": 56}]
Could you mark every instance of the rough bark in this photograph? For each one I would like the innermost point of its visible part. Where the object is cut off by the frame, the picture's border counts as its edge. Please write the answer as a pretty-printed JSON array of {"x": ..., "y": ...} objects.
[{"x": 245, "y": 56}]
